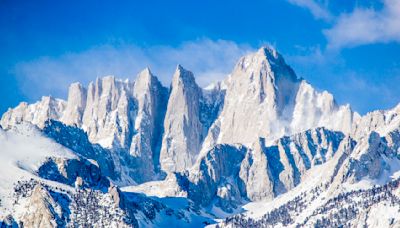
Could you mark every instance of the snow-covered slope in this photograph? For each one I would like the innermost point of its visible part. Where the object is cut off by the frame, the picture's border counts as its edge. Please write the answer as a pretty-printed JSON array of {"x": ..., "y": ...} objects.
[
  {"x": 44, "y": 184},
  {"x": 23, "y": 149},
  {"x": 260, "y": 148}
]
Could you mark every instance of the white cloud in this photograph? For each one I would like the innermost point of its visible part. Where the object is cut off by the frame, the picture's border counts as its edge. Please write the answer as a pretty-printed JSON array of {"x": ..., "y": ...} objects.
[
  {"x": 366, "y": 26},
  {"x": 209, "y": 60},
  {"x": 316, "y": 9}
]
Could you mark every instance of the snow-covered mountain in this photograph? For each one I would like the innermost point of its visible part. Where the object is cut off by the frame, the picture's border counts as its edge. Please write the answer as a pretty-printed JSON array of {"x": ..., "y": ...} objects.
[{"x": 260, "y": 148}]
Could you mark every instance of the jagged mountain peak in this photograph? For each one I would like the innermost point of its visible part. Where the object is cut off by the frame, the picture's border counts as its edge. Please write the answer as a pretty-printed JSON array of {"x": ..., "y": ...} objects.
[
  {"x": 145, "y": 74},
  {"x": 48, "y": 99},
  {"x": 265, "y": 98},
  {"x": 77, "y": 95},
  {"x": 109, "y": 84},
  {"x": 146, "y": 78},
  {"x": 266, "y": 61},
  {"x": 106, "y": 79},
  {"x": 76, "y": 85},
  {"x": 148, "y": 70},
  {"x": 270, "y": 53},
  {"x": 183, "y": 77}
]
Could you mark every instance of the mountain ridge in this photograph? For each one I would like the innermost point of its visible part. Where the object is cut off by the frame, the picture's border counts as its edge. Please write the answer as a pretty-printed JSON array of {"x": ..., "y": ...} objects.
[{"x": 260, "y": 135}]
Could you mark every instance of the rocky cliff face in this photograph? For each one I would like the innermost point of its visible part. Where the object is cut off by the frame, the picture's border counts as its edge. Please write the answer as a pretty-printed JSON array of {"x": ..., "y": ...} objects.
[
  {"x": 260, "y": 172},
  {"x": 264, "y": 98},
  {"x": 183, "y": 129},
  {"x": 109, "y": 112},
  {"x": 76, "y": 104},
  {"x": 259, "y": 97},
  {"x": 42, "y": 210},
  {"x": 151, "y": 100}
]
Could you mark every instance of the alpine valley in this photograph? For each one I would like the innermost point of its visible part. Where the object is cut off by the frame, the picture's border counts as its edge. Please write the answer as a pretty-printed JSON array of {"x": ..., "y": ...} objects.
[{"x": 261, "y": 148}]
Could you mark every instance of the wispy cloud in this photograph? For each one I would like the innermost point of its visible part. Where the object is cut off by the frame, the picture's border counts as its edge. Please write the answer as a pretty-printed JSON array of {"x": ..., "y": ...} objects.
[
  {"x": 366, "y": 95},
  {"x": 366, "y": 26},
  {"x": 209, "y": 60},
  {"x": 317, "y": 9}
]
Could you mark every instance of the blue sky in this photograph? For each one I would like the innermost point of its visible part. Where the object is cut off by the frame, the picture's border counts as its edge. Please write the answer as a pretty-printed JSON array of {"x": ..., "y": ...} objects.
[{"x": 349, "y": 48}]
